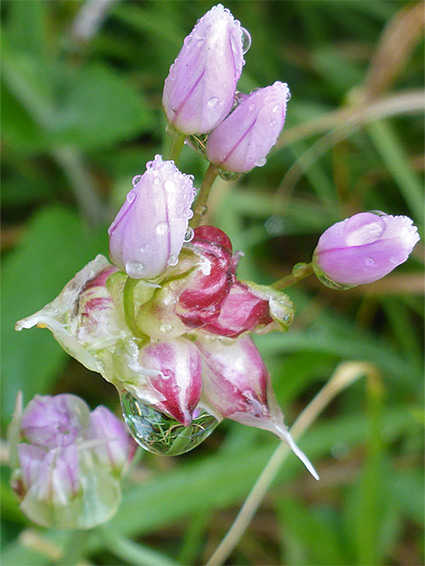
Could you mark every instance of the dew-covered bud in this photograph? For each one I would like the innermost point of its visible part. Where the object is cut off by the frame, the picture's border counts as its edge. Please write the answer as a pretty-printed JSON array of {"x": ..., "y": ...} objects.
[
  {"x": 174, "y": 385},
  {"x": 199, "y": 90},
  {"x": 237, "y": 385},
  {"x": 243, "y": 140},
  {"x": 363, "y": 248},
  {"x": 61, "y": 472},
  {"x": 148, "y": 232}
]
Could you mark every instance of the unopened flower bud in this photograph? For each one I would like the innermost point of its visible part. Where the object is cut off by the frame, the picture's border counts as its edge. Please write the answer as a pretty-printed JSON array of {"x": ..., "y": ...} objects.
[
  {"x": 363, "y": 248},
  {"x": 199, "y": 90},
  {"x": 113, "y": 447},
  {"x": 243, "y": 140},
  {"x": 237, "y": 385},
  {"x": 176, "y": 387},
  {"x": 61, "y": 472},
  {"x": 149, "y": 230}
]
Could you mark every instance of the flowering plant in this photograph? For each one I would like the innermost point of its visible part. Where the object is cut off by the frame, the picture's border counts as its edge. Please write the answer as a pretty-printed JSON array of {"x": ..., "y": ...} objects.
[{"x": 168, "y": 321}]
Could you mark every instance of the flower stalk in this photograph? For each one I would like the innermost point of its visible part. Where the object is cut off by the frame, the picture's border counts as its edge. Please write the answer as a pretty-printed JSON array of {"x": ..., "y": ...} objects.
[
  {"x": 299, "y": 271},
  {"x": 200, "y": 206}
]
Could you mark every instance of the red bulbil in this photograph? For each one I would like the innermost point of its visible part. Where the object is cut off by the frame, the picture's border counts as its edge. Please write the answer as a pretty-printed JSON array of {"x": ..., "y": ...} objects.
[{"x": 211, "y": 283}]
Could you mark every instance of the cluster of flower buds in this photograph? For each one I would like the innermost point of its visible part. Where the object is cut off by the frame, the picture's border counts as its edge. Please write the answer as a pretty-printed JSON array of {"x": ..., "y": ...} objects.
[
  {"x": 67, "y": 461},
  {"x": 200, "y": 95},
  {"x": 178, "y": 342}
]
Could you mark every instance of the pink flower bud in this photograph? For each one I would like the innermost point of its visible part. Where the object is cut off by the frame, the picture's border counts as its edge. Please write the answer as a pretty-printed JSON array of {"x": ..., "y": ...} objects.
[
  {"x": 148, "y": 232},
  {"x": 236, "y": 385},
  {"x": 363, "y": 248},
  {"x": 49, "y": 422},
  {"x": 115, "y": 448},
  {"x": 245, "y": 137},
  {"x": 176, "y": 388},
  {"x": 199, "y": 90}
]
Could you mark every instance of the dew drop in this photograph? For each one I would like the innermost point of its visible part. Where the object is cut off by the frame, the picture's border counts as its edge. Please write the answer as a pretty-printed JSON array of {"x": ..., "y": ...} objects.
[
  {"x": 369, "y": 261},
  {"x": 156, "y": 181},
  {"x": 246, "y": 40},
  {"x": 169, "y": 186},
  {"x": 228, "y": 175},
  {"x": 134, "y": 269},
  {"x": 275, "y": 108},
  {"x": 201, "y": 210},
  {"x": 288, "y": 95},
  {"x": 189, "y": 214},
  {"x": 172, "y": 260},
  {"x": 331, "y": 284},
  {"x": 188, "y": 236},
  {"x": 158, "y": 433},
  {"x": 272, "y": 123},
  {"x": 261, "y": 162},
  {"x": 136, "y": 179},
  {"x": 212, "y": 102},
  {"x": 251, "y": 107},
  {"x": 395, "y": 260},
  {"x": 131, "y": 196},
  {"x": 162, "y": 228}
]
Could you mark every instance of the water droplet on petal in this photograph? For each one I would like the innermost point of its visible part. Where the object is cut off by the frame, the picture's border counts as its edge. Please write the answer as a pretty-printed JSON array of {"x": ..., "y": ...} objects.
[
  {"x": 172, "y": 260},
  {"x": 331, "y": 284},
  {"x": 212, "y": 102},
  {"x": 131, "y": 196},
  {"x": 188, "y": 236},
  {"x": 246, "y": 40},
  {"x": 369, "y": 261},
  {"x": 136, "y": 179},
  {"x": 275, "y": 108},
  {"x": 134, "y": 269},
  {"x": 395, "y": 260},
  {"x": 169, "y": 186},
  {"x": 162, "y": 228},
  {"x": 261, "y": 162},
  {"x": 189, "y": 214},
  {"x": 251, "y": 107},
  {"x": 288, "y": 95},
  {"x": 158, "y": 433},
  {"x": 273, "y": 123}
]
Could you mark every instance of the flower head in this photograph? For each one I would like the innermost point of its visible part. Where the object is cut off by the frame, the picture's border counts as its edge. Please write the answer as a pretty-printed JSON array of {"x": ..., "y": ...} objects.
[
  {"x": 363, "y": 248},
  {"x": 65, "y": 461},
  {"x": 199, "y": 90},
  {"x": 245, "y": 137},
  {"x": 148, "y": 232}
]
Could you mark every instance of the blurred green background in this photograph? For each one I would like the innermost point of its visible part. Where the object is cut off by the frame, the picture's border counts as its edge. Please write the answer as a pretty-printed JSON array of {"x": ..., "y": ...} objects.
[{"x": 81, "y": 116}]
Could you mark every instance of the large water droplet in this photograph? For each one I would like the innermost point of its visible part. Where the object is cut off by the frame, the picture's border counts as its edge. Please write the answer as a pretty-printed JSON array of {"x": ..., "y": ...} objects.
[
  {"x": 160, "y": 434},
  {"x": 162, "y": 228},
  {"x": 246, "y": 40},
  {"x": 201, "y": 210},
  {"x": 228, "y": 175},
  {"x": 261, "y": 162},
  {"x": 134, "y": 269},
  {"x": 136, "y": 179}
]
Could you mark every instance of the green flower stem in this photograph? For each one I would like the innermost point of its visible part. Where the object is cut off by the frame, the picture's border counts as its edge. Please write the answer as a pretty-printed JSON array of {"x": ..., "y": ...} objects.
[
  {"x": 177, "y": 144},
  {"x": 200, "y": 206},
  {"x": 344, "y": 375},
  {"x": 128, "y": 299},
  {"x": 299, "y": 271},
  {"x": 74, "y": 547}
]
